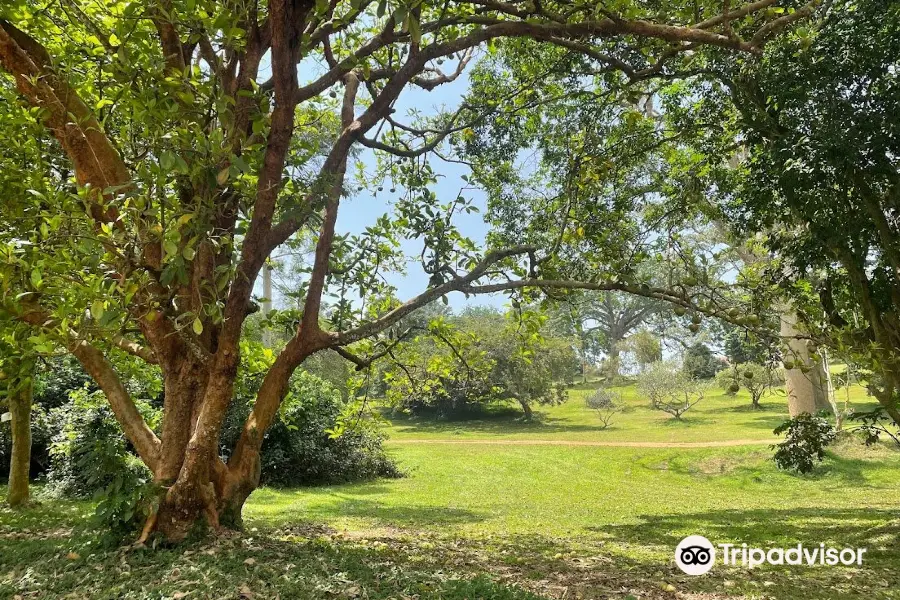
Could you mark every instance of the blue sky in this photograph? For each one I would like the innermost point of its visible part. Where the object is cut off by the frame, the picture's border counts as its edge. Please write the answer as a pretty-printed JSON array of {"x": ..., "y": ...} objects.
[{"x": 360, "y": 209}]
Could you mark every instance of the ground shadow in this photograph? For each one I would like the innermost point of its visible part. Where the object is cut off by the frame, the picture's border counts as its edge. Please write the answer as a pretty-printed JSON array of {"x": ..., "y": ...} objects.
[
  {"x": 877, "y": 529},
  {"x": 489, "y": 423}
]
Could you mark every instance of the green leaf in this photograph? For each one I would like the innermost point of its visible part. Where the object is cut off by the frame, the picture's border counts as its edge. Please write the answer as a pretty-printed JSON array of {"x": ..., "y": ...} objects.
[
  {"x": 197, "y": 326},
  {"x": 97, "y": 309},
  {"x": 415, "y": 32},
  {"x": 170, "y": 247}
]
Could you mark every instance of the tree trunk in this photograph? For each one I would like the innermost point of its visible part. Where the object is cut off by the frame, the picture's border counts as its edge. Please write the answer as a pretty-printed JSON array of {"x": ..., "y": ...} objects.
[
  {"x": 20, "y": 409},
  {"x": 526, "y": 408},
  {"x": 613, "y": 361},
  {"x": 806, "y": 391}
]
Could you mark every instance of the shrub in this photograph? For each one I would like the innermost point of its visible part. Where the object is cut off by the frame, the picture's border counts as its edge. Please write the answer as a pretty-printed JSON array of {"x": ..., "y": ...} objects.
[
  {"x": 606, "y": 403},
  {"x": 804, "y": 443},
  {"x": 91, "y": 457},
  {"x": 318, "y": 437}
]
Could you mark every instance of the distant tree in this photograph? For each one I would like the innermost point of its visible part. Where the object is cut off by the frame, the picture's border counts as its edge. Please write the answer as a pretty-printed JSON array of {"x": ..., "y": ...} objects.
[
  {"x": 700, "y": 362},
  {"x": 602, "y": 322},
  {"x": 670, "y": 389},
  {"x": 478, "y": 358},
  {"x": 646, "y": 348},
  {"x": 755, "y": 378}
]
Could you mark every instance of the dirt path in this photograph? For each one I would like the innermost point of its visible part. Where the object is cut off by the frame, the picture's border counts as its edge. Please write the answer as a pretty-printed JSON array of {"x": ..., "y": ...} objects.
[{"x": 515, "y": 442}]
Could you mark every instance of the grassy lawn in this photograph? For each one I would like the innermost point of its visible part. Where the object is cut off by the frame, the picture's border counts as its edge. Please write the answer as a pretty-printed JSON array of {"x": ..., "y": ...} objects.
[
  {"x": 511, "y": 521},
  {"x": 718, "y": 417}
]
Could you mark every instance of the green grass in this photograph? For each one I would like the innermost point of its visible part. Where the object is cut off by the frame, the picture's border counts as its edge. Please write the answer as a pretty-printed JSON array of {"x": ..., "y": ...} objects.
[
  {"x": 718, "y": 417},
  {"x": 511, "y": 522}
]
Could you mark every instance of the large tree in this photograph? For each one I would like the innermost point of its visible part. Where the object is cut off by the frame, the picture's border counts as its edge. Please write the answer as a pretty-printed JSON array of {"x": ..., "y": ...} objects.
[
  {"x": 602, "y": 322},
  {"x": 804, "y": 148},
  {"x": 168, "y": 148}
]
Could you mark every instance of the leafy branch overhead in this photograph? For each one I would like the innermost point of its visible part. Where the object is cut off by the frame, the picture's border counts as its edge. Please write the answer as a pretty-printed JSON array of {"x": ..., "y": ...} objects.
[{"x": 159, "y": 153}]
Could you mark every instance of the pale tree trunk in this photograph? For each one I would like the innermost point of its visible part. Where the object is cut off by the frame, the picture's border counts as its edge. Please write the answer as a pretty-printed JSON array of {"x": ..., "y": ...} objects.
[
  {"x": 20, "y": 409},
  {"x": 806, "y": 391}
]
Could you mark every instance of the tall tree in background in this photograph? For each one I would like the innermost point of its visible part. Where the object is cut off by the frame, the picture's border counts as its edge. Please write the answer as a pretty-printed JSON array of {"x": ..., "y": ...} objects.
[
  {"x": 816, "y": 169},
  {"x": 193, "y": 149},
  {"x": 602, "y": 322}
]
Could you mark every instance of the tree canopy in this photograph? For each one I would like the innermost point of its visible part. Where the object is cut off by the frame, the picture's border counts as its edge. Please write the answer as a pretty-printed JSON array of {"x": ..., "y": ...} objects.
[{"x": 159, "y": 152}]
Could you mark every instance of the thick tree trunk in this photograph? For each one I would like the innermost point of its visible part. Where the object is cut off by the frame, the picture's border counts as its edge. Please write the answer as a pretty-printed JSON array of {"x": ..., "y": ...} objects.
[
  {"x": 805, "y": 383},
  {"x": 20, "y": 408}
]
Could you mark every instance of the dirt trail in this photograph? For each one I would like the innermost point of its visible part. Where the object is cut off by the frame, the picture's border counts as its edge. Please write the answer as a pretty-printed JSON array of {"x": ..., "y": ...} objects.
[{"x": 515, "y": 442}]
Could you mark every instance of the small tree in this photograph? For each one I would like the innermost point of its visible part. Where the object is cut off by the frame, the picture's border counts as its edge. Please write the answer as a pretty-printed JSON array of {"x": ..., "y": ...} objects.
[
  {"x": 756, "y": 379},
  {"x": 669, "y": 389},
  {"x": 606, "y": 403}
]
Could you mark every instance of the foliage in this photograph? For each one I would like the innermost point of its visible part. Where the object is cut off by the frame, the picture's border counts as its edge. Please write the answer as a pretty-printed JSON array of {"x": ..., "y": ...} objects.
[
  {"x": 479, "y": 358},
  {"x": 646, "y": 348},
  {"x": 606, "y": 403},
  {"x": 602, "y": 322},
  {"x": 700, "y": 362},
  {"x": 755, "y": 378},
  {"x": 90, "y": 457},
  {"x": 670, "y": 389},
  {"x": 318, "y": 437},
  {"x": 42, "y": 432},
  {"x": 742, "y": 346},
  {"x": 806, "y": 437},
  {"x": 801, "y": 147},
  {"x": 875, "y": 423}
]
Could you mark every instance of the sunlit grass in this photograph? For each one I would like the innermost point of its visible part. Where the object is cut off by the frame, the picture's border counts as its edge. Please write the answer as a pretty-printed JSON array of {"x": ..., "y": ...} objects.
[{"x": 718, "y": 417}]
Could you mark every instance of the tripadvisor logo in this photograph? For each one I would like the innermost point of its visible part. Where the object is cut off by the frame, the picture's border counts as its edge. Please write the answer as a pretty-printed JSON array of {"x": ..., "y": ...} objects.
[{"x": 695, "y": 555}]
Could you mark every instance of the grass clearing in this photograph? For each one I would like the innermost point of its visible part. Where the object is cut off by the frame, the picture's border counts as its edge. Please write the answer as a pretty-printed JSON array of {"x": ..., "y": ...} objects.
[
  {"x": 512, "y": 522},
  {"x": 718, "y": 417}
]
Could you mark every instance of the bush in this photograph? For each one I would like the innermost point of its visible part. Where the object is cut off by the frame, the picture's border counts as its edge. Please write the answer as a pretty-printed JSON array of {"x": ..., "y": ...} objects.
[
  {"x": 606, "y": 403},
  {"x": 805, "y": 442},
  {"x": 317, "y": 438},
  {"x": 90, "y": 457}
]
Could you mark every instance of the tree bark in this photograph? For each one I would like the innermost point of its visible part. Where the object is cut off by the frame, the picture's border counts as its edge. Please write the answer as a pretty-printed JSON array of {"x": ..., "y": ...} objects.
[
  {"x": 806, "y": 391},
  {"x": 526, "y": 408},
  {"x": 20, "y": 408}
]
